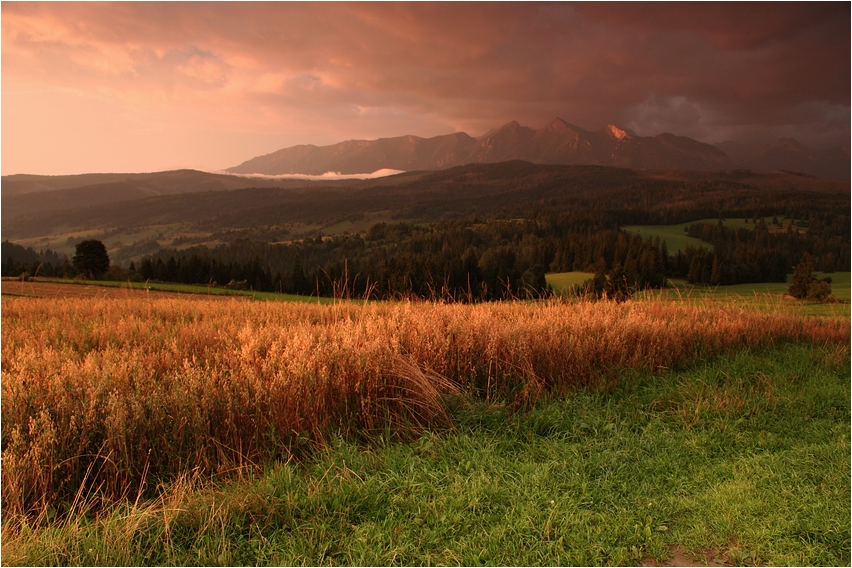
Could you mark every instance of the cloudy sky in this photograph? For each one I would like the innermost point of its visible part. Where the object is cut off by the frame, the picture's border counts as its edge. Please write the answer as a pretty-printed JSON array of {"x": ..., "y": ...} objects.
[{"x": 131, "y": 87}]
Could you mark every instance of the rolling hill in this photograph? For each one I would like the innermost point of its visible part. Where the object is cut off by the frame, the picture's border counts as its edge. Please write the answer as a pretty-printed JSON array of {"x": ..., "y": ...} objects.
[
  {"x": 32, "y": 194},
  {"x": 506, "y": 189}
]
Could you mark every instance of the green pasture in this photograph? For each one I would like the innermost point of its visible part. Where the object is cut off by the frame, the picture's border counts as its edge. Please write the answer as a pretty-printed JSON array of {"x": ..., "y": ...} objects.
[
  {"x": 677, "y": 239},
  {"x": 192, "y": 289},
  {"x": 840, "y": 287},
  {"x": 674, "y": 235},
  {"x": 63, "y": 241},
  {"x": 562, "y": 281},
  {"x": 764, "y": 296}
]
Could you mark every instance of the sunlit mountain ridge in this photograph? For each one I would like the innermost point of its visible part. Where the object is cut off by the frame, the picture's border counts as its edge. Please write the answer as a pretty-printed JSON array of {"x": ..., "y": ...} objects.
[{"x": 558, "y": 142}]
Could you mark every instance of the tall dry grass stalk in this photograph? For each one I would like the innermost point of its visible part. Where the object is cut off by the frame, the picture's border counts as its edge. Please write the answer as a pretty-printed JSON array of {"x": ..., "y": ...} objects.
[{"x": 101, "y": 394}]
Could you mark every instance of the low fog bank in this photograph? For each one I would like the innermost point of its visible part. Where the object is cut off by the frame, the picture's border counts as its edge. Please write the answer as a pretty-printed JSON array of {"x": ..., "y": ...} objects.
[{"x": 384, "y": 172}]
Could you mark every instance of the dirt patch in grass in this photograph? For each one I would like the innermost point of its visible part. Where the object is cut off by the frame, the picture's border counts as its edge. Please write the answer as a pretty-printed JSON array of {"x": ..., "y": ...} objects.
[{"x": 679, "y": 558}]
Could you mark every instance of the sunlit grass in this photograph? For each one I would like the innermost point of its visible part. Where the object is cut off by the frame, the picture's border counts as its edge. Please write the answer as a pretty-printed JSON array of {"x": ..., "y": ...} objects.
[
  {"x": 106, "y": 391},
  {"x": 563, "y": 281},
  {"x": 743, "y": 460}
]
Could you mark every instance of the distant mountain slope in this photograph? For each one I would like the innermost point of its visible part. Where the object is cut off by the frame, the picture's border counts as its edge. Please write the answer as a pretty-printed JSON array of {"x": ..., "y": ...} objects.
[
  {"x": 404, "y": 153},
  {"x": 790, "y": 155},
  {"x": 28, "y": 194},
  {"x": 558, "y": 142},
  {"x": 506, "y": 188}
]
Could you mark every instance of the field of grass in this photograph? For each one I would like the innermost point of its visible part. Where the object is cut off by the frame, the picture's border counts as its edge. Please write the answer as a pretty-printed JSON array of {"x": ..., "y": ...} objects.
[
  {"x": 561, "y": 281},
  {"x": 744, "y": 460},
  {"x": 64, "y": 241},
  {"x": 840, "y": 287},
  {"x": 210, "y": 432},
  {"x": 677, "y": 239},
  {"x": 762, "y": 296},
  {"x": 13, "y": 286},
  {"x": 674, "y": 235}
]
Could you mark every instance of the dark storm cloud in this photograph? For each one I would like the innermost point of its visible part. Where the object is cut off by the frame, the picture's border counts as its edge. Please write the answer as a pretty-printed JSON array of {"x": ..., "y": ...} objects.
[{"x": 288, "y": 73}]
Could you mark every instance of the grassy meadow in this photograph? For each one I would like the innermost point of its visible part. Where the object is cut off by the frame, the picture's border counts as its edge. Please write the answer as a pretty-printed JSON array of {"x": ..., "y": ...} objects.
[
  {"x": 761, "y": 296},
  {"x": 677, "y": 239},
  {"x": 563, "y": 281},
  {"x": 193, "y": 431},
  {"x": 15, "y": 287}
]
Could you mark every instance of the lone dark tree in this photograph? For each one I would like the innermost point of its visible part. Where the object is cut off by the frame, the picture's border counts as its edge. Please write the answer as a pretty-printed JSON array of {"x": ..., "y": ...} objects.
[
  {"x": 805, "y": 286},
  {"x": 802, "y": 278},
  {"x": 91, "y": 259}
]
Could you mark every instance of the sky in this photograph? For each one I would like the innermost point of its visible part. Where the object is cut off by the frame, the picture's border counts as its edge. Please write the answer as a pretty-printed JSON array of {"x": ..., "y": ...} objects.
[{"x": 137, "y": 87}]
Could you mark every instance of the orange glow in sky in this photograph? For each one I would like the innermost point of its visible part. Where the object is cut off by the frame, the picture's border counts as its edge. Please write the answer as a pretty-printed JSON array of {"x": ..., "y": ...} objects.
[{"x": 131, "y": 87}]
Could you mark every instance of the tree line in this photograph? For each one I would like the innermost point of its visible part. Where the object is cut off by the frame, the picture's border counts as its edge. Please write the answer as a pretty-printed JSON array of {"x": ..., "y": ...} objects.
[
  {"x": 479, "y": 258},
  {"x": 765, "y": 253},
  {"x": 18, "y": 260},
  {"x": 460, "y": 259}
]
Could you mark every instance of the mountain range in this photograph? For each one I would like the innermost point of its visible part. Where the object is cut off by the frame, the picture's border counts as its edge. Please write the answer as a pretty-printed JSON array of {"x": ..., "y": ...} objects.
[{"x": 558, "y": 142}]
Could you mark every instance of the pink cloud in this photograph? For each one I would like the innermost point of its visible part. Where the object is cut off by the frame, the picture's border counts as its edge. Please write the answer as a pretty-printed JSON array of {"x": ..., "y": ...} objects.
[{"x": 234, "y": 80}]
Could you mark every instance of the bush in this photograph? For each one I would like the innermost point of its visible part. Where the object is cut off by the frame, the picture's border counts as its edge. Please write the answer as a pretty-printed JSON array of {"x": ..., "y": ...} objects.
[{"x": 819, "y": 291}]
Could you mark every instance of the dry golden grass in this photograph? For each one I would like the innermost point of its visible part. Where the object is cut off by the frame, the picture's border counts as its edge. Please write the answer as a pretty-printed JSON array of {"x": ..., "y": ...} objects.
[{"x": 102, "y": 395}]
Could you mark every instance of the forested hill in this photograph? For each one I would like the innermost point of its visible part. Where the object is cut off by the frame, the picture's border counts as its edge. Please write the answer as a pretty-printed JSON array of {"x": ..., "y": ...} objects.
[
  {"x": 477, "y": 231},
  {"x": 34, "y": 194},
  {"x": 504, "y": 190}
]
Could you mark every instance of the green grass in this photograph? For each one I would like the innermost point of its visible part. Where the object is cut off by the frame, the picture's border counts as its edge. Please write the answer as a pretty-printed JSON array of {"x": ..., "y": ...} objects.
[
  {"x": 840, "y": 286},
  {"x": 744, "y": 459},
  {"x": 674, "y": 235},
  {"x": 195, "y": 289},
  {"x": 765, "y": 296},
  {"x": 561, "y": 281},
  {"x": 677, "y": 239}
]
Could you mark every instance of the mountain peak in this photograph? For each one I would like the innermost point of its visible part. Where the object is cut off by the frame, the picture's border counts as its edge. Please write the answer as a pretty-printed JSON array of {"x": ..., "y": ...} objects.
[
  {"x": 559, "y": 125},
  {"x": 616, "y": 132},
  {"x": 511, "y": 125}
]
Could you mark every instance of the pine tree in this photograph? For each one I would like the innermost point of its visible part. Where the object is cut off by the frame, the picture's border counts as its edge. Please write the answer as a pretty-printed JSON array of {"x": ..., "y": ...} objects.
[
  {"x": 298, "y": 280},
  {"x": 716, "y": 272},
  {"x": 802, "y": 278}
]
